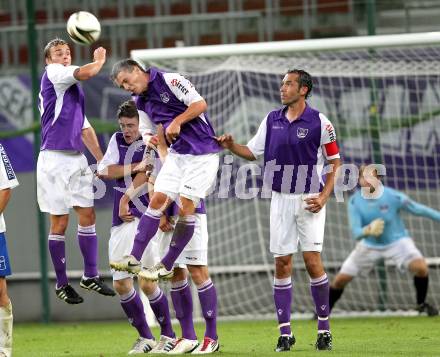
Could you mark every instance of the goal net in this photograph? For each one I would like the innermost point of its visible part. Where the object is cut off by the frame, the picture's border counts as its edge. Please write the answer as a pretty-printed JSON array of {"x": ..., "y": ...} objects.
[{"x": 382, "y": 95}]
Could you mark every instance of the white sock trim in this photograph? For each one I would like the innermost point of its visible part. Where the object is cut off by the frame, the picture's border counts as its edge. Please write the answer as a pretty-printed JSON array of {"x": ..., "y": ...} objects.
[
  {"x": 87, "y": 229},
  {"x": 58, "y": 237},
  {"x": 285, "y": 281},
  {"x": 179, "y": 284}
]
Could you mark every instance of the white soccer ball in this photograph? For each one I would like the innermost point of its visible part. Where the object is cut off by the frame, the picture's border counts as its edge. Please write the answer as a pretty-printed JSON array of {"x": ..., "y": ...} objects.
[{"x": 83, "y": 27}]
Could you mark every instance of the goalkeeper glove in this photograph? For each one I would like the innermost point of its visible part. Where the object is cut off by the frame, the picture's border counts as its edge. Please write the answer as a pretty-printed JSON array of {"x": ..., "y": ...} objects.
[{"x": 375, "y": 228}]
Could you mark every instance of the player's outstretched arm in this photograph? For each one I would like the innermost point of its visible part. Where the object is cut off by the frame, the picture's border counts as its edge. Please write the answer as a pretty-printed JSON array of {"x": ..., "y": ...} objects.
[
  {"x": 419, "y": 209},
  {"x": 226, "y": 141},
  {"x": 91, "y": 69},
  {"x": 90, "y": 140}
]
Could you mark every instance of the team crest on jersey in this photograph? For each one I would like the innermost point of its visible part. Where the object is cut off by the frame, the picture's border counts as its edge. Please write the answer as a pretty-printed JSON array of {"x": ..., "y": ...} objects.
[
  {"x": 301, "y": 133},
  {"x": 384, "y": 208},
  {"x": 165, "y": 97}
]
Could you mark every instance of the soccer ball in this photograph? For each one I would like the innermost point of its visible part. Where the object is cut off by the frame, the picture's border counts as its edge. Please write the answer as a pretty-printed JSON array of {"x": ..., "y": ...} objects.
[{"x": 83, "y": 28}]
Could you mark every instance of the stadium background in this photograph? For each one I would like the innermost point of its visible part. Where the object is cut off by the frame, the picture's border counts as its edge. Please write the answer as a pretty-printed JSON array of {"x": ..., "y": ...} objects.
[{"x": 133, "y": 24}]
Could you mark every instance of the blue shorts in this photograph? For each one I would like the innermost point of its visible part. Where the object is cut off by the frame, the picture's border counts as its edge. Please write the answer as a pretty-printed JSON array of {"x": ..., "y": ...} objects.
[{"x": 5, "y": 267}]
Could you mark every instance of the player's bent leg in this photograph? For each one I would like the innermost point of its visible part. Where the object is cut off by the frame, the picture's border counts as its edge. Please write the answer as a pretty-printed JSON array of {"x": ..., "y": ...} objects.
[
  {"x": 337, "y": 288},
  {"x": 282, "y": 294},
  {"x": 182, "y": 234},
  {"x": 6, "y": 320},
  {"x": 419, "y": 268},
  {"x": 147, "y": 228}
]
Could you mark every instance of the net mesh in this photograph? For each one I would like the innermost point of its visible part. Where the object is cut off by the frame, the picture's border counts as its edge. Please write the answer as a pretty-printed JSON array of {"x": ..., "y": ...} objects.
[{"x": 385, "y": 106}]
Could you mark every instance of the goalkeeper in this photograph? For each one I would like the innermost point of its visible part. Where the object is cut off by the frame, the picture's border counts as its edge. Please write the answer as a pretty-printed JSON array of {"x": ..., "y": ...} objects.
[{"x": 381, "y": 232}]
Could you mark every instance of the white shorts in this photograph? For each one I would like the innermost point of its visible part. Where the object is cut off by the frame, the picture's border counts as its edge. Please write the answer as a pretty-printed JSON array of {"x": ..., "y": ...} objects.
[
  {"x": 363, "y": 258},
  {"x": 64, "y": 180},
  {"x": 291, "y": 223},
  {"x": 121, "y": 242},
  {"x": 196, "y": 251},
  {"x": 191, "y": 176}
]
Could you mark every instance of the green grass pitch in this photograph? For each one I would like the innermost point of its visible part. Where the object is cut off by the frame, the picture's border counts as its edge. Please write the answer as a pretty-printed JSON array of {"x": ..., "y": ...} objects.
[{"x": 394, "y": 336}]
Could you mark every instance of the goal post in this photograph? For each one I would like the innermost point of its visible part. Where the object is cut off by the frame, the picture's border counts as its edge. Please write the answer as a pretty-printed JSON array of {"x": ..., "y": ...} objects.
[{"x": 382, "y": 94}]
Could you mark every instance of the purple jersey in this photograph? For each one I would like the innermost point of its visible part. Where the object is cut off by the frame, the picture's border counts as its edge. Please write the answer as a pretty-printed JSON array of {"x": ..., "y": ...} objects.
[
  {"x": 296, "y": 147},
  {"x": 169, "y": 95},
  {"x": 119, "y": 152},
  {"x": 61, "y": 104}
]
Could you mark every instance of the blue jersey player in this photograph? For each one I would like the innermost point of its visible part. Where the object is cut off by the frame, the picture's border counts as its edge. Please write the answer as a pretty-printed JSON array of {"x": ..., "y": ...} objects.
[{"x": 381, "y": 234}]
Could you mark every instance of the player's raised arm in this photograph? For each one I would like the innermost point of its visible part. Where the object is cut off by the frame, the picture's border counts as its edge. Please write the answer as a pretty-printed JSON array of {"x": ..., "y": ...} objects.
[{"x": 91, "y": 69}]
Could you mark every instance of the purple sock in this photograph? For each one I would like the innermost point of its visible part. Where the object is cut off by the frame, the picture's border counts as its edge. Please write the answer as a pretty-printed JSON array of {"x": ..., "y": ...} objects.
[
  {"x": 88, "y": 244},
  {"x": 282, "y": 295},
  {"x": 159, "y": 305},
  {"x": 208, "y": 302},
  {"x": 183, "y": 233},
  {"x": 134, "y": 309},
  {"x": 320, "y": 293},
  {"x": 147, "y": 228},
  {"x": 57, "y": 250},
  {"x": 183, "y": 306}
]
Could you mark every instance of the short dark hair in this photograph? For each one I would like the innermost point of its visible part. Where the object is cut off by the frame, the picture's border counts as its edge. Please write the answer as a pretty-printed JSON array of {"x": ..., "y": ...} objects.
[
  {"x": 304, "y": 79},
  {"x": 127, "y": 64},
  {"x": 55, "y": 42},
  {"x": 128, "y": 109}
]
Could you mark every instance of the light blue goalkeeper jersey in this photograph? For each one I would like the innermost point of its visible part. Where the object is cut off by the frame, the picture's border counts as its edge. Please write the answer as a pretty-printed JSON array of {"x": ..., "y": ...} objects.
[{"x": 362, "y": 211}]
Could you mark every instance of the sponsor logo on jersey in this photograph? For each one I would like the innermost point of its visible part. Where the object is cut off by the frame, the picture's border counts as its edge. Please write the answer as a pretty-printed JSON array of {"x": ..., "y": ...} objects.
[
  {"x": 301, "y": 133},
  {"x": 191, "y": 258},
  {"x": 165, "y": 97},
  {"x": 277, "y": 127},
  {"x": 188, "y": 187},
  {"x": 178, "y": 84},
  {"x": 331, "y": 132},
  {"x": 7, "y": 164}
]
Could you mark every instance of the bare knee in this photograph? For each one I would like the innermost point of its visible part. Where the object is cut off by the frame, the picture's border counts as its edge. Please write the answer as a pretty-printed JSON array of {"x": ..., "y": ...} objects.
[
  {"x": 58, "y": 224},
  {"x": 199, "y": 273},
  {"x": 179, "y": 275},
  {"x": 159, "y": 201},
  {"x": 123, "y": 286},
  {"x": 418, "y": 267},
  {"x": 86, "y": 216},
  {"x": 4, "y": 298},
  {"x": 283, "y": 267},
  {"x": 147, "y": 286},
  {"x": 188, "y": 207},
  {"x": 313, "y": 263},
  {"x": 341, "y": 280}
]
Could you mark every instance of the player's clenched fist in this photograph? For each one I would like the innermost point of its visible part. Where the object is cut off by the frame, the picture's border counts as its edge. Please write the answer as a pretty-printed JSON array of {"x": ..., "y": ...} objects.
[
  {"x": 375, "y": 228},
  {"x": 226, "y": 141},
  {"x": 99, "y": 54},
  {"x": 172, "y": 131}
]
